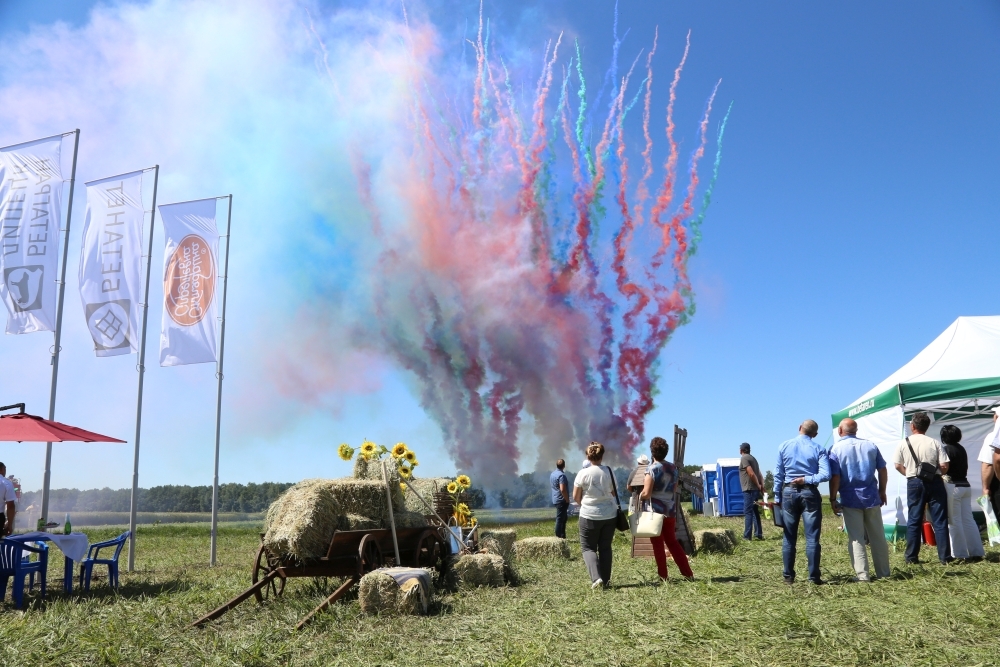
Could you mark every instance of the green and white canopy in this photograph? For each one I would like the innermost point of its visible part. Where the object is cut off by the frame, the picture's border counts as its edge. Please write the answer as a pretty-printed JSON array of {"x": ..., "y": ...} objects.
[{"x": 955, "y": 379}]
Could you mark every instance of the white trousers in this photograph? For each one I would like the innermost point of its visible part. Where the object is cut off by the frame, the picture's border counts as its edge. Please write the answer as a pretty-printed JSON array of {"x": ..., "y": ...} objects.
[
  {"x": 966, "y": 541},
  {"x": 860, "y": 523}
]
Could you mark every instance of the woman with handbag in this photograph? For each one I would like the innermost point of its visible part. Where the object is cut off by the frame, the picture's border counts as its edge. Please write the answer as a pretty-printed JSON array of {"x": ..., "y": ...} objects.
[
  {"x": 593, "y": 490},
  {"x": 658, "y": 490}
]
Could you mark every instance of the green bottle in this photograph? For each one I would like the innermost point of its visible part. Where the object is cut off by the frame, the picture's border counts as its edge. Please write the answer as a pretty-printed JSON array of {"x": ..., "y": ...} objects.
[{"x": 68, "y": 528}]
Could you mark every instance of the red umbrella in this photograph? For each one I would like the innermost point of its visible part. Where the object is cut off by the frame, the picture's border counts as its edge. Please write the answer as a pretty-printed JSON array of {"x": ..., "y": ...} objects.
[{"x": 29, "y": 428}]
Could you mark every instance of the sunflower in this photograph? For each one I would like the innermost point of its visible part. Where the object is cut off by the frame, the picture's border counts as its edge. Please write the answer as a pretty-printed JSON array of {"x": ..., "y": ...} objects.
[
  {"x": 473, "y": 521},
  {"x": 414, "y": 463},
  {"x": 452, "y": 487},
  {"x": 462, "y": 508},
  {"x": 399, "y": 451},
  {"x": 404, "y": 472},
  {"x": 368, "y": 448},
  {"x": 463, "y": 481},
  {"x": 345, "y": 451},
  {"x": 410, "y": 456},
  {"x": 402, "y": 485}
]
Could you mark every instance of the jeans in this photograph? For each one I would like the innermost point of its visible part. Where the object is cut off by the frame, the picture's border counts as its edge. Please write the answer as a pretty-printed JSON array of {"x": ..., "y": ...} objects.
[
  {"x": 751, "y": 515},
  {"x": 562, "y": 511},
  {"x": 668, "y": 538},
  {"x": 595, "y": 540},
  {"x": 934, "y": 495},
  {"x": 965, "y": 539},
  {"x": 806, "y": 504},
  {"x": 861, "y": 523}
]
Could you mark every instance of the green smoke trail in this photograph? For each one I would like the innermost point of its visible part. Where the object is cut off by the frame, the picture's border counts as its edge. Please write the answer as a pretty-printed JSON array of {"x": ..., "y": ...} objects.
[
  {"x": 696, "y": 224},
  {"x": 582, "y": 94}
]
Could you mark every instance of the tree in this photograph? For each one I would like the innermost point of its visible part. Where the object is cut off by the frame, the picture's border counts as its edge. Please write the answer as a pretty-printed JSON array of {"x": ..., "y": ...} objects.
[{"x": 768, "y": 481}]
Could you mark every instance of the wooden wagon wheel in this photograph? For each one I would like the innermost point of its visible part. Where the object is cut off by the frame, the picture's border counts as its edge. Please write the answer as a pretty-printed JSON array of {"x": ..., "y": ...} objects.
[
  {"x": 264, "y": 564},
  {"x": 369, "y": 555},
  {"x": 428, "y": 553}
]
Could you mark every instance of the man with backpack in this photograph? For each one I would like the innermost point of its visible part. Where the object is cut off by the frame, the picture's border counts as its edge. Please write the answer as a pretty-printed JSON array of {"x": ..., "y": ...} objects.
[{"x": 923, "y": 460}]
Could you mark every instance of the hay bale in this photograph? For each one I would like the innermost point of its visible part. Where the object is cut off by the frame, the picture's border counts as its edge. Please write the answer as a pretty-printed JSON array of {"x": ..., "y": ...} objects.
[
  {"x": 533, "y": 548},
  {"x": 409, "y": 520},
  {"x": 357, "y": 522},
  {"x": 714, "y": 540},
  {"x": 426, "y": 488},
  {"x": 379, "y": 593},
  {"x": 475, "y": 570},
  {"x": 302, "y": 520},
  {"x": 500, "y": 541},
  {"x": 372, "y": 470}
]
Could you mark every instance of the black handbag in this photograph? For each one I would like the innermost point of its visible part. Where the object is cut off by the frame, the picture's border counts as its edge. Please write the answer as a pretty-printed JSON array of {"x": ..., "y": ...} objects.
[
  {"x": 925, "y": 471},
  {"x": 621, "y": 519}
]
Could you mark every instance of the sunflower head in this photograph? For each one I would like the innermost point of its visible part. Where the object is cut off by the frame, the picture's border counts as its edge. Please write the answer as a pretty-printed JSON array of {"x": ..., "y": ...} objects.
[
  {"x": 404, "y": 472},
  {"x": 399, "y": 451},
  {"x": 410, "y": 456},
  {"x": 368, "y": 448},
  {"x": 402, "y": 485},
  {"x": 463, "y": 481},
  {"x": 414, "y": 463},
  {"x": 345, "y": 451},
  {"x": 473, "y": 521},
  {"x": 452, "y": 487},
  {"x": 462, "y": 508}
]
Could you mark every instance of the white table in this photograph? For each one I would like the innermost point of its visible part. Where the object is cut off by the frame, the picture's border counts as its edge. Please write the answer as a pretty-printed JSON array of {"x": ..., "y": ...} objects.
[{"x": 74, "y": 547}]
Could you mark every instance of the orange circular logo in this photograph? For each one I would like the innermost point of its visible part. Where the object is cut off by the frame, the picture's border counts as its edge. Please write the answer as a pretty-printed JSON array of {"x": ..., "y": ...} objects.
[{"x": 189, "y": 284}]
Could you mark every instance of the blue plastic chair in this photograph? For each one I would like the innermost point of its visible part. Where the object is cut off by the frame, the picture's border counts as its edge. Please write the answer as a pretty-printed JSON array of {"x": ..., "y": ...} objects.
[
  {"x": 88, "y": 563},
  {"x": 14, "y": 562}
]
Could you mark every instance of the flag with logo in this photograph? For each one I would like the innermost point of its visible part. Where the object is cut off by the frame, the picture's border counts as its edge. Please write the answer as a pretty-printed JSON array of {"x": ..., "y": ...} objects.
[
  {"x": 30, "y": 216},
  {"x": 187, "y": 335},
  {"x": 111, "y": 262}
]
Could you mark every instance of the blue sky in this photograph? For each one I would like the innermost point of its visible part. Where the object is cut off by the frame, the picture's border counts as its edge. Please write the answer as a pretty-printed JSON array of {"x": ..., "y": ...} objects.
[{"x": 854, "y": 219}]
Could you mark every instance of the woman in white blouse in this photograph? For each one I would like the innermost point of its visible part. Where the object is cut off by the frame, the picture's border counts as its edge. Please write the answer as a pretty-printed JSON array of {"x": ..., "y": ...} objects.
[{"x": 593, "y": 491}]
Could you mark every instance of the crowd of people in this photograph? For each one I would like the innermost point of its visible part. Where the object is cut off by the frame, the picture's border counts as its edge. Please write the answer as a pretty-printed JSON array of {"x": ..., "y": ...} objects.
[{"x": 937, "y": 485}]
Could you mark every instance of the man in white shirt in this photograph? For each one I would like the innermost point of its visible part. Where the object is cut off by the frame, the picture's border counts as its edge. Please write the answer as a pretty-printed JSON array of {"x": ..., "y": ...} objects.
[
  {"x": 989, "y": 457},
  {"x": 910, "y": 454},
  {"x": 7, "y": 500}
]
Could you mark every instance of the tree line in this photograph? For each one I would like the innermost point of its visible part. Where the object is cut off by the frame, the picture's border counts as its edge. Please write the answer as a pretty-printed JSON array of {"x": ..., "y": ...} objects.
[{"x": 170, "y": 498}]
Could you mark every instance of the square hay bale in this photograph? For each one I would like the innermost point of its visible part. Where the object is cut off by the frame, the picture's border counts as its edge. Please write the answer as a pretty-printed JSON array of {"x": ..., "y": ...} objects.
[
  {"x": 475, "y": 570},
  {"x": 499, "y": 541},
  {"x": 357, "y": 522},
  {"x": 533, "y": 548},
  {"x": 372, "y": 470},
  {"x": 408, "y": 520},
  {"x": 379, "y": 593},
  {"x": 714, "y": 541},
  {"x": 426, "y": 488}
]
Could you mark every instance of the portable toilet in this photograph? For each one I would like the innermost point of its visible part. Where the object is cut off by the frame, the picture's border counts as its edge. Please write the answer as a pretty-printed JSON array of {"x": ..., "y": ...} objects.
[
  {"x": 730, "y": 491},
  {"x": 708, "y": 474},
  {"x": 696, "y": 502}
]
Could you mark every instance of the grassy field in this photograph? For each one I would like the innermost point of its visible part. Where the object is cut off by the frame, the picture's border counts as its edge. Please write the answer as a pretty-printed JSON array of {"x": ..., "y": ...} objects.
[{"x": 737, "y": 611}]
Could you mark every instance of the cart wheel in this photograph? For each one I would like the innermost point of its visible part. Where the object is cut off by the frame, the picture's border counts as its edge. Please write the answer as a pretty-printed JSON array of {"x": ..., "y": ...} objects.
[
  {"x": 369, "y": 555},
  {"x": 429, "y": 550},
  {"x": 264, "y": 564}
]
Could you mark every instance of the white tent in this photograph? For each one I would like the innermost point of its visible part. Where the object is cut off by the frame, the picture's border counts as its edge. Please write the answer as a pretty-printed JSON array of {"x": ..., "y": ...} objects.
[{"x": 955, "y": 379}]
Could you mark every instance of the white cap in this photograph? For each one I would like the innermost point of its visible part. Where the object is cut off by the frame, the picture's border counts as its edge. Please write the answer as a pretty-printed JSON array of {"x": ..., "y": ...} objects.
[
  {"x": 996, "y": 410},
  {"x": 643, "y": 460},
  {"x": 586, "y": 464}
]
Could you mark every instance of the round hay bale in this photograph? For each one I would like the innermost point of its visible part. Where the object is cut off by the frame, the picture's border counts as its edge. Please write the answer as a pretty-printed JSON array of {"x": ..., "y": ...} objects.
[
  {"x": 475, "y": 570},
  {"x": 714, "y": 540},
  {"x": 533, "y": 548}
]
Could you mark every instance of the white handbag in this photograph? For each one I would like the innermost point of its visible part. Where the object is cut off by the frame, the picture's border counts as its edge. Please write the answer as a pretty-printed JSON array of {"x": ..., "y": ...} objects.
[{"x": 650, "y": 524}]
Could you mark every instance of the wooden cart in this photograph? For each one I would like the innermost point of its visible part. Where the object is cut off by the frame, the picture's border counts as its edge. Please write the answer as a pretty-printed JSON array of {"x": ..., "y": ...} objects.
[{"x": 350, "y": 555}]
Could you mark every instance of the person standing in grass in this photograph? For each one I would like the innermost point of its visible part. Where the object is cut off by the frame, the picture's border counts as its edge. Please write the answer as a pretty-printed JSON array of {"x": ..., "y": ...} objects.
[
  {"x": 593, "y": 491},
  {"x": 802, "y": 465},
  {"x": 989, "y": 457},
  {"x": 910, "y": 453},
  {"x": 859, "y": 473},
  {"x": 560, "y": 496},
  {"x": 752, "y": 484},
  {"x": 8, "y": 500},
  {"x": 658, "y": 490},
  {"x": 966, "y": 543}
]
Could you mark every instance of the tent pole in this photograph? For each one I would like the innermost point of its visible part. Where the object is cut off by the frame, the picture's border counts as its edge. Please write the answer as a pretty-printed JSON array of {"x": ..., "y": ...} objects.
[
  {"x": 58, "y": 335},
  {"x": 134, "y": 504},
  {"x": 219, "y": 375}
]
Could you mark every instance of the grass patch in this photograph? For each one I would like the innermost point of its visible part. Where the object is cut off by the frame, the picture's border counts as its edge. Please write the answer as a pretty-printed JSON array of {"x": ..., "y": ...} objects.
[{"x": 738, "y": 611}]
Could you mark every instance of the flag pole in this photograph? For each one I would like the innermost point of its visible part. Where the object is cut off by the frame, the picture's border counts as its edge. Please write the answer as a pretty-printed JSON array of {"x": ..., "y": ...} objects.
[
  {"x": 219, "y": 375},
  {"x": 58, "y": 337},
  {"x": 134, "y": 505}
]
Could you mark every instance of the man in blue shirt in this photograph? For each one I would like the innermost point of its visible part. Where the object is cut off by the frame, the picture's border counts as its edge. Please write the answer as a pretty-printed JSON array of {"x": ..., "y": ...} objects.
[
  {"x": 802, "y": 465},
  {"x": 560, "y": 496},
  {"x": 858, "y": 471}
]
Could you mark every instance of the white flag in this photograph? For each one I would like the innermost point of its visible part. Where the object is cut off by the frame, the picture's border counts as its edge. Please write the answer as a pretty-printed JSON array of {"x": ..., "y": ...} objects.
[
  {"x": 111, "y": 262},
  {"x": 187, "y": 335},
  {"x": 30, "y": 216}
]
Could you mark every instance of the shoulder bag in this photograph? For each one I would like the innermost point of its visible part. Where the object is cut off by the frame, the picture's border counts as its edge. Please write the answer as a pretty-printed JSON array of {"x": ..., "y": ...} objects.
[
  {"x": 621, "y": 519},
  {"x": 925, "y": 471},
  {"x": 650, "y": 524}
]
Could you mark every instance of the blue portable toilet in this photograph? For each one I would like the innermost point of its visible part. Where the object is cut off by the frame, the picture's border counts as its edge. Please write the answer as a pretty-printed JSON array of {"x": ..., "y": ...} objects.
[
  {"x": 730, "y": 491},
  {"x": 697, "y": 504},
  {"x": 708, "y": 475}
]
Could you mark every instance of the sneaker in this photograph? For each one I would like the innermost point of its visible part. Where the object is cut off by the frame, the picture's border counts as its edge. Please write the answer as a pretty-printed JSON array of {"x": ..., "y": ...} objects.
[
  {"x": 597, "y": 584},
  {"x": 789, "y": 580},
  {"x": 817, "y": 582}
]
